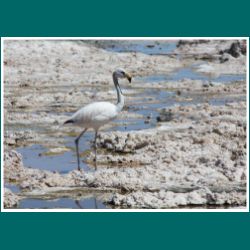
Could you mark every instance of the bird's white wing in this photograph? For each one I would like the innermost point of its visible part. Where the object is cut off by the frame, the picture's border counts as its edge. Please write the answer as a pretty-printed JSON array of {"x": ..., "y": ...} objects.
[{"x": 96, "y": 113}]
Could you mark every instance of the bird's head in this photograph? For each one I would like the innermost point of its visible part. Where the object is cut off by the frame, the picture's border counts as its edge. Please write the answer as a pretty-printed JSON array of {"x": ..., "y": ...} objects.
[{"x": 120, "y": 73}]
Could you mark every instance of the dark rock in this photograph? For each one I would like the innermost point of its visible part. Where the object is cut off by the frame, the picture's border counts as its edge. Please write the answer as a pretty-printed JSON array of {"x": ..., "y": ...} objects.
[
  {"x": 235, "y": 50},
  {"x": 203, "y": 160},
  {"x": 217, "y": 131},
  {"x": 223, "y": 59},
  {"x": 165, "y": 116},
  {"x": 190, "y": 42},
  {"x": 178, "y": 92}
]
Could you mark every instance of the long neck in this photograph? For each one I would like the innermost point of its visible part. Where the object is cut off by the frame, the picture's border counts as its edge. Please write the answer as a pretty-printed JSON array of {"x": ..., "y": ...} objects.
[{"x": 120, "y": 97}]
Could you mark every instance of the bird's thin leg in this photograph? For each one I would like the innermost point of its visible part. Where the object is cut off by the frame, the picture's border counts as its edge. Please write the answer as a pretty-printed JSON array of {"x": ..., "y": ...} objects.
[
  {"x": 77, "y": 149},
  {"x": 96, "y": 132}
]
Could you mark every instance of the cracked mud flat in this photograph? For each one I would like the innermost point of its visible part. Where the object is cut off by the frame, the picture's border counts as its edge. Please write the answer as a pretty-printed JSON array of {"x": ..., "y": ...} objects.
[{"x": 194, "y": 156}]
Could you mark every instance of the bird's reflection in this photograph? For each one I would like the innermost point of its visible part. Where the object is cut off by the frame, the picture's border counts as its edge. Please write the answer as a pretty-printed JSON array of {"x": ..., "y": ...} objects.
[{"x": 78, "y": 204}]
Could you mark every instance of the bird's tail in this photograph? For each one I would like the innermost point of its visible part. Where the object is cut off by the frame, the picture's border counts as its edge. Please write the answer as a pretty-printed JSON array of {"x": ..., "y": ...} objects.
[{"x": 69, "y": 121}]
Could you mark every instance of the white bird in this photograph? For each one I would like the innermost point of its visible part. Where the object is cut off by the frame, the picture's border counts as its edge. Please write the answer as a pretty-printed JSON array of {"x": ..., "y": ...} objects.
[{"x": 97, "y": 114}]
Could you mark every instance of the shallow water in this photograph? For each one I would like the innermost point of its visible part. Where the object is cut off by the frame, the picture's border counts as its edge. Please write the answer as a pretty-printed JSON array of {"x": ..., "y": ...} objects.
[
  {"x": 13, "y": 188},
  {"x": 141, "y": 46},
  {"x": 190, "y": 73},
  {"x": 88, "y": 203},
  {"x": 62, "y": 163}
]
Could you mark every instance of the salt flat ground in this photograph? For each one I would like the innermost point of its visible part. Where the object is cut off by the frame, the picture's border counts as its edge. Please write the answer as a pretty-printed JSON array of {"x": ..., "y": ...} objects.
[{"x": 180, "y": 141}]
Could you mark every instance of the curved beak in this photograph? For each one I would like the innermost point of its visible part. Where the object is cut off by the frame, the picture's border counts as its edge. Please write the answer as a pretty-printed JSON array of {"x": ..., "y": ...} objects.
[{"x": 129, "y": 77}]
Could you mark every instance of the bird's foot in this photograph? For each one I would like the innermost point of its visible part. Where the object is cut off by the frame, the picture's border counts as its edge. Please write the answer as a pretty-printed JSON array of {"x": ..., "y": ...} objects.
[{"x": 80, "y": 170}]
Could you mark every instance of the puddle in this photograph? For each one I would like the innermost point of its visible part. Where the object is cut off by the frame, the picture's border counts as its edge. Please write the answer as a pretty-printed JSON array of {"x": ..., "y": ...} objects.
[
  {"x": 12, "y": 187},
  {"x": 189, "y": 73},
  {"x": 33, "y": 156},
  {"x": 225, "y": 100},
  {"x": 141, "y": 46},
  {"x": 230, "y": 78},
  {"x": 88, "y": 203}
]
